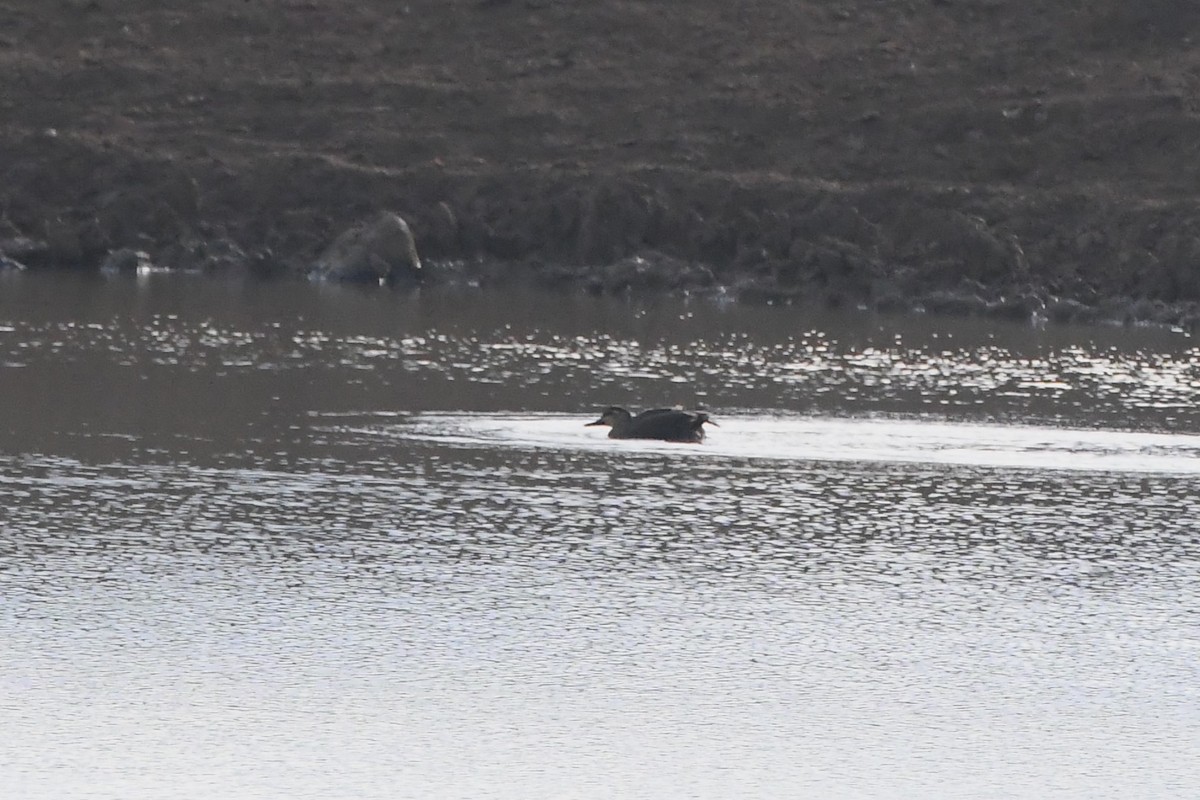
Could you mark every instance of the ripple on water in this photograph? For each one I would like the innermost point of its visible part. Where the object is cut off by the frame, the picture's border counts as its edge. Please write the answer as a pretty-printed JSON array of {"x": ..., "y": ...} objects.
[
  {"x": 808, "y": 370},
  {"x": 232, "y": 586},
  {"x": 636, "y": 594}
]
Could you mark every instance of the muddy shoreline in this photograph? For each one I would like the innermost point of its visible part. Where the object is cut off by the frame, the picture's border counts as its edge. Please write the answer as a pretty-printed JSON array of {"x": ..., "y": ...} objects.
[{"x": 970, "y": 158}]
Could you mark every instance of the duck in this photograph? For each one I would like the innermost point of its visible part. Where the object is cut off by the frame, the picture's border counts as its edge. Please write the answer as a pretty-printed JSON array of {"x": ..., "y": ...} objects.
[{"x": 664, "y": 424}]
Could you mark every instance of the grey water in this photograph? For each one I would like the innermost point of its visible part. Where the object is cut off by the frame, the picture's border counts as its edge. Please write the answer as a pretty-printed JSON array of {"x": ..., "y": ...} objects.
[{"x": 278, "y": 540}]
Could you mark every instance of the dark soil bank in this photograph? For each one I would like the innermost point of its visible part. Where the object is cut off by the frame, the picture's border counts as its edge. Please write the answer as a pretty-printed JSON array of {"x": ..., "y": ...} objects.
[{"x": 969, "y": 156}]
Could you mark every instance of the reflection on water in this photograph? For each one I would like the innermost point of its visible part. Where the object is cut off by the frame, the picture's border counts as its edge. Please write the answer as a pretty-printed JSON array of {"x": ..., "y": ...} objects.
[{"x": 251, "y": 545}]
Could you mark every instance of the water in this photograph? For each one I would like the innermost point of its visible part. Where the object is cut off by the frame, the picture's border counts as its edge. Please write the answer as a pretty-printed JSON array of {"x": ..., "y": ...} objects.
[{"x": 290, "y": 541}]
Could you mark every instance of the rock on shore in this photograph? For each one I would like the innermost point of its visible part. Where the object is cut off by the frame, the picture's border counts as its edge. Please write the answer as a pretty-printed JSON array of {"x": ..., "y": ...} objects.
[{"x": 380, "y": 250}]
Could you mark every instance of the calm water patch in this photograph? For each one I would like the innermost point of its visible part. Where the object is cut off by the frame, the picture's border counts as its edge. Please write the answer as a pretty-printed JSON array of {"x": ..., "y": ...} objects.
[{"x": 779, "y": 437}]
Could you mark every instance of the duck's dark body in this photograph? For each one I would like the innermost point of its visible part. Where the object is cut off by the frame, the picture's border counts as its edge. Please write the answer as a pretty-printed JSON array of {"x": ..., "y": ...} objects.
[{"x": 664, "y": 424}]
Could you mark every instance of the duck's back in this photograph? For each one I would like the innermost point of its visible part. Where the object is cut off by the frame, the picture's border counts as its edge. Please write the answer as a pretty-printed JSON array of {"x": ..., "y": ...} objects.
[{"x": 669, "y": 424}]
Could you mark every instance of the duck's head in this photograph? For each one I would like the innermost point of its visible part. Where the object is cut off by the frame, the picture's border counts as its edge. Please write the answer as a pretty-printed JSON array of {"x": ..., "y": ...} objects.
[{"x": 611, "y": 416}]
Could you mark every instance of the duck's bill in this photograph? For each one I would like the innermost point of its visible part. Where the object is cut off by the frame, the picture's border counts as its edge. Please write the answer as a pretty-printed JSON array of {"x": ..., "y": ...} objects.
[{"x": 594, "y": 424}]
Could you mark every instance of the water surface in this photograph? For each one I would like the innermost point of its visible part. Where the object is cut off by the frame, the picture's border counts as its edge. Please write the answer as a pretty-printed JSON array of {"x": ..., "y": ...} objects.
[{"x": 273, "y": 540}]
